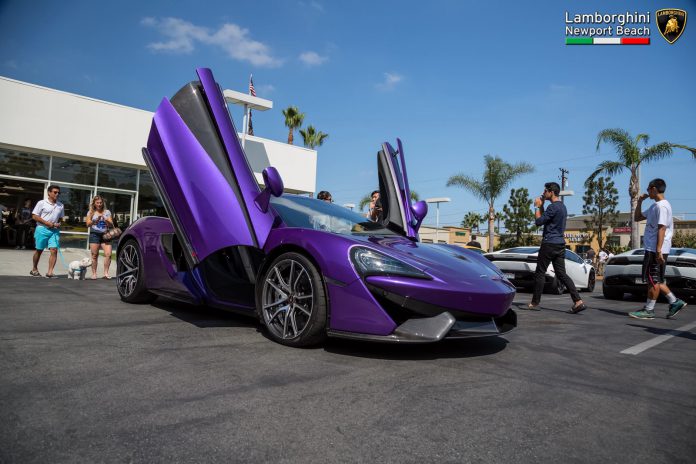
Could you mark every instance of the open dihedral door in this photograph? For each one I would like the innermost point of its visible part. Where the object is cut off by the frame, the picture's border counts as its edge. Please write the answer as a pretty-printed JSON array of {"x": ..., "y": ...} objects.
[
  {"x": 202, "y": 173},
  {"x": 395, "y": 195}
]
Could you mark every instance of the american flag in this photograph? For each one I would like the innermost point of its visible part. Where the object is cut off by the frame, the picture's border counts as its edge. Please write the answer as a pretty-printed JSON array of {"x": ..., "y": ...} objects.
[{"x": 252, "y": 92}]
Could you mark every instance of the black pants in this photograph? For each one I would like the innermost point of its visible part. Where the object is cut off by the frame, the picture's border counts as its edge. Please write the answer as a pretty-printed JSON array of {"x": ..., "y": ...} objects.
[
  {"x": 552, "y": 253},
  {"x": 22, "y": 234}
]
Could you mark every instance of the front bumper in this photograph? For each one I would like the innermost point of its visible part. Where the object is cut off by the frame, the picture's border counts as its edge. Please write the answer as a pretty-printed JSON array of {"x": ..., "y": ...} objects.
[
  {"x": 436, "y": 328},
  {"x": 632, "y": 283}
]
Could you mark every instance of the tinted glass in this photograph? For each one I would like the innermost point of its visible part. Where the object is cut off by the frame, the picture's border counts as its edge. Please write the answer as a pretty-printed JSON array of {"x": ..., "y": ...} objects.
[
  {"x": 76, "y": 202},
  {"x": 117, "y": 177},
  {"x": 73, "y": 241},
  {"x": 149, "y": 201},
  {"x": 120, "y": 206},
  {"x": 16, "y": 163},
  {"x": 73, "y": 171},
  {"x": 308, "y": 213},
  {"x": 522, "y": 250},
  {"x": 569, "y": 255}
]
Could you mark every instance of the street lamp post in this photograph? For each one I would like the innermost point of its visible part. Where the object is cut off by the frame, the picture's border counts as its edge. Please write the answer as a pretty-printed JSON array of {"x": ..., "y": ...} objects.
[{"x": 437, "y": 201}]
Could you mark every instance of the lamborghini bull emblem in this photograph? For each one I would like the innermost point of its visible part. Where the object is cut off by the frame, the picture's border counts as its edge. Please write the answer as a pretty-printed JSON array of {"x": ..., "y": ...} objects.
[{"x": 671, "y": 23}]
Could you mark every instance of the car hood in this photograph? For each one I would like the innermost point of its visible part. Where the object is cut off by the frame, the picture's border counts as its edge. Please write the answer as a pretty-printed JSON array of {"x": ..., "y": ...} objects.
[{"x": 447, "y": 262}]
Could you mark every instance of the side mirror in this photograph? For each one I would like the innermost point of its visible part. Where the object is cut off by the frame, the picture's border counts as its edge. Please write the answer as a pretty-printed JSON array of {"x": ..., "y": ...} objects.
[
  {"x": 274, "y": 186},
  {"x": 419, "y": 210}
]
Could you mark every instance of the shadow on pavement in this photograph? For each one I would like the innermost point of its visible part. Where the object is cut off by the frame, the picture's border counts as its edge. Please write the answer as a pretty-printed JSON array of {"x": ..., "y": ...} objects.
[
  {"x": 466, "y": 348},
  {"x": 203, "y": 316},
  {"x": 659, "y": 331}
]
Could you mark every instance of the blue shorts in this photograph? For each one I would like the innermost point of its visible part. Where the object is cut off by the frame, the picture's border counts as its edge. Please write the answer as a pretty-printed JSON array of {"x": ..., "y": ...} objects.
[{"x": 46, "y": 238}]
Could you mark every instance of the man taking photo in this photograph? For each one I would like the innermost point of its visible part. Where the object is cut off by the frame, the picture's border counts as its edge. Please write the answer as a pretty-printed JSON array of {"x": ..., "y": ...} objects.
[{"x": 552, "y": 249}]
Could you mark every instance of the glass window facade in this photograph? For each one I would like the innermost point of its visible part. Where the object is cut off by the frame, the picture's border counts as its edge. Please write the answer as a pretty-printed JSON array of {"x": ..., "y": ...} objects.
[
  {"x": 117, "y": 177},
  {"x": 73, "y": 171},
  {"x": 20, "y": 164},
  {"x": 149, "y": 201},
  {"x": 129, "y": 192}
]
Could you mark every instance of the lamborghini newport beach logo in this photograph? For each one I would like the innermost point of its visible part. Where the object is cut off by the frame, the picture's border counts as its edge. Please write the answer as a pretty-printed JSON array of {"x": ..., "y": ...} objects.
[{"x": 671, "y": 23}]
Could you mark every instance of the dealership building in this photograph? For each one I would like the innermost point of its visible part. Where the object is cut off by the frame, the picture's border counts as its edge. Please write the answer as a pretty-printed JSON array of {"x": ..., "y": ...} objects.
[{"x": 91, "y": 147}]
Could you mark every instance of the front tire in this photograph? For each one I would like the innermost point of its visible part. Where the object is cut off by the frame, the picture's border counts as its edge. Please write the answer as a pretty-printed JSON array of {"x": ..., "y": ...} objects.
[
  {"x": 556, "y": 287},
  {"x": 612, "y": 293},
  {"x": 291, "y": 301},
  {"x": 130, "y": 275},
  {"x": 591, "y": 280}
]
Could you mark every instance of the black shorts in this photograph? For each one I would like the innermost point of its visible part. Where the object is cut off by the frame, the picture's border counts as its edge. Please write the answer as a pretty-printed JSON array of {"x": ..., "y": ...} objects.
[
  {"x": 96, "y": 237},
  {"x": 653, "y": 272}
]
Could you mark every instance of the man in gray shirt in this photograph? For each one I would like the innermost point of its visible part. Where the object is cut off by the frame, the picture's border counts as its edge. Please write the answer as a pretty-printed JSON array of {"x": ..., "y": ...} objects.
[{"x": 552, "y": 249}]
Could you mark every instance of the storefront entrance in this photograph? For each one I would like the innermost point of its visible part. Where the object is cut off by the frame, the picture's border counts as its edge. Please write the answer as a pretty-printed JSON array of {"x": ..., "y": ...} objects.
[{"x": 13, "y": 194}]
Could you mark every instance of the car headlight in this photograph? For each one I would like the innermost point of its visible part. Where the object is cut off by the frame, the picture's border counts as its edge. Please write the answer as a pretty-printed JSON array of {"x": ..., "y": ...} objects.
[{"x": 370, "y": 262}]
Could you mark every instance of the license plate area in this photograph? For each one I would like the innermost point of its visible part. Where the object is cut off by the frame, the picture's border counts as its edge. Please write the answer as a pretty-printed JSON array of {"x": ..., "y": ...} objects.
[
  {"x": 509, "y": 275},
  {"x": 639, "y": 280}
]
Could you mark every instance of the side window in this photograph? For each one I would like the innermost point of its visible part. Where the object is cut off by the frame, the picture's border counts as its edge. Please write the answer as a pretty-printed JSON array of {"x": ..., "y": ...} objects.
[{"x": 569, "y": 255}]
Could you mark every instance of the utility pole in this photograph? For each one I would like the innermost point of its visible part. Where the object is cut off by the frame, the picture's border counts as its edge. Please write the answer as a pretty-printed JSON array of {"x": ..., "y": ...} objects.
[{"x": 564, "y": 178}]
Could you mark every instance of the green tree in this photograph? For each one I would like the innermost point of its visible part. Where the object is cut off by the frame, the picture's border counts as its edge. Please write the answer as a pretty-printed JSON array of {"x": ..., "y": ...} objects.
[
  {"x": 472, "y": 220},
  {"x": 518, "y": 218},
  {"x": 293, "y": 120},
  {"x": 364, "y": 201},
  {"x": 630, "y": 157},
  {"x": 496, "y": 177},
  {"x": 600, "y": 202},
  {"x": 313, "y": 138}
]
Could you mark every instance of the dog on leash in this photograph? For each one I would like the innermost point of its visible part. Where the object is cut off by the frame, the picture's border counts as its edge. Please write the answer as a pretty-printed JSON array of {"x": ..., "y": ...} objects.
[{"x": 77, "y": 269}]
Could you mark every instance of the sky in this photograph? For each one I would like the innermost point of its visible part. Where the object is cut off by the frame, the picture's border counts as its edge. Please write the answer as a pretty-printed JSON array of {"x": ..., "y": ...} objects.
[{"x": 455, "y": 80}]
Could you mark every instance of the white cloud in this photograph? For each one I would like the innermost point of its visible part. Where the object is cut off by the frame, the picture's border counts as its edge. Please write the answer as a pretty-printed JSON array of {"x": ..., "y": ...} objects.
[
  {"x": 182, "y": 36},
  {"x": 313, "y": 4},
  {"x": 310, "y": 58},
  {"x": 390, "y": 81}
]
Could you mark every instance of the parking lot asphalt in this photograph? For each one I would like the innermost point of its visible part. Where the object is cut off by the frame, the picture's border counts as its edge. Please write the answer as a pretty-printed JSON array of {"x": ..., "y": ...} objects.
[{"x": 87, "y": 378}]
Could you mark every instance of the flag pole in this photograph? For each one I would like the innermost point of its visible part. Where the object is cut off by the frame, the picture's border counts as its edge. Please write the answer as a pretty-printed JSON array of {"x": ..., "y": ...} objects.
[{"x": 244, "y": 128}]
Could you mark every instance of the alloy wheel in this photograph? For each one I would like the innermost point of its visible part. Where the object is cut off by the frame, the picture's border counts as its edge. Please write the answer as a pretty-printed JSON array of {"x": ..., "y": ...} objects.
[
  {"x": 127, "y": 270},
  {"x": 287, "y": 299}
]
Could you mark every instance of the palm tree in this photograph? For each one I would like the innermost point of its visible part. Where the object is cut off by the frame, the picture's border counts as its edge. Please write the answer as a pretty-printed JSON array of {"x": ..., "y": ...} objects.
[
  {"x": 631, "y": 156},
  {"x": 313, "y": 138},
  {"x": 472, "y": 220},
  {"x": 496, "y": 177},
  {"x": 293, "y": 120},
  {"x": 364, "y": 201}
]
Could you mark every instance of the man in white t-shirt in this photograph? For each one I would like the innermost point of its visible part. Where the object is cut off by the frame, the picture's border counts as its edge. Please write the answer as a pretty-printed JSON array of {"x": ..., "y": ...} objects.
[
  {"x": 602, "y": 260},
  {"x": 657, "y": 242},
  {"x": 48, "y": 215}
]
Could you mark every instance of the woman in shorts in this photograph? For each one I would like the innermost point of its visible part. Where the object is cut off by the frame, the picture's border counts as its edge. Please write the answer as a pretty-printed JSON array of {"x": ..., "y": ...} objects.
[{"x": 99, "y": 221}]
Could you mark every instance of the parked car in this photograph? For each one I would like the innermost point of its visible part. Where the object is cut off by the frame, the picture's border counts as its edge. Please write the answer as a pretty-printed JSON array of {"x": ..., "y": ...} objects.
[
  {"x": 306, "y": 268},
  {"x": 624, "y": 273},
  {"x": 519, "y": 265}
]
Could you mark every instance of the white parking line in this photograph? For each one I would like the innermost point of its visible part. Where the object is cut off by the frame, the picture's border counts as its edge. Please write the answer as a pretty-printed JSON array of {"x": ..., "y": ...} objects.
[{"x": 639, "y": 348}]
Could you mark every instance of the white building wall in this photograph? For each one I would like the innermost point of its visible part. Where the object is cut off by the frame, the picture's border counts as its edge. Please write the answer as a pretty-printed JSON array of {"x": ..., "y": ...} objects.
[{"x": 51, "y": 121}]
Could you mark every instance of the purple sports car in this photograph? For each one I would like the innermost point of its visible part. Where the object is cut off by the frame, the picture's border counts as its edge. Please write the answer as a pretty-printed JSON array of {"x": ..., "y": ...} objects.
[{"x": 306, "y": 268}]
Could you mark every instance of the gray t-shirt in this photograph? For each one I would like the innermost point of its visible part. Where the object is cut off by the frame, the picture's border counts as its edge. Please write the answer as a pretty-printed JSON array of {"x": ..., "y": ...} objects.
[{"x": 100, "y": 226}]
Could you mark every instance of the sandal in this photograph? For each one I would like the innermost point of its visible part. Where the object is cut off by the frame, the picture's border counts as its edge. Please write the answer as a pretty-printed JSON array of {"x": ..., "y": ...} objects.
[
  {"x": 51, "y": 276},
  {"x": 35, "y": 273},
  {"x": 578, "y": 308},
  {"x": 107, "y": 277},
  {"x": 533, "y": 307}
]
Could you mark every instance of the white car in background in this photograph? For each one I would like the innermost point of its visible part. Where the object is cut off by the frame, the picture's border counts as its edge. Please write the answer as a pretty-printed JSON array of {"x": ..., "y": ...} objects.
[
  {"x": 519, "y": 265},
  {"x": 623, "y": 273}
]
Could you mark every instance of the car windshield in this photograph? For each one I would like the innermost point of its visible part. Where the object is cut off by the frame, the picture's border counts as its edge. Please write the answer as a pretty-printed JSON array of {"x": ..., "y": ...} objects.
[
  {"x": 522, "y": 250},
  {"x": 308, "y": 213}
]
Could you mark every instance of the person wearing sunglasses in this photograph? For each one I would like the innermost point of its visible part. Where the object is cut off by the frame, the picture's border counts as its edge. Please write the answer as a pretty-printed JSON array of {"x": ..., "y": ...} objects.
[
  {"x": 48, "y": 215},
  {"x": 552, "y": 250},
  {"x": 657, "y": 241}
]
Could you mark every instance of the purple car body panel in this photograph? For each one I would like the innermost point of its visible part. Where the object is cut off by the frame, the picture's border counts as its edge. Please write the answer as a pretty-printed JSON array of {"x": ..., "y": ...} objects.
[{"x": 216, "y": 205}]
